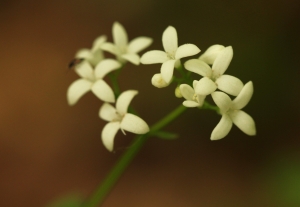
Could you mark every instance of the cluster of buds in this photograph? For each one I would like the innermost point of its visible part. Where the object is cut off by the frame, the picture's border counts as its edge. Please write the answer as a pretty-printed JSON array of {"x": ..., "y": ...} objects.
[{"x": 211, "y": 65}]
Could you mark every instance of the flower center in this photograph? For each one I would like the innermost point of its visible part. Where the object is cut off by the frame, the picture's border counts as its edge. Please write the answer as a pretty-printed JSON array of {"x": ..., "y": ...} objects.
[
  {"x": 118, "y": 117},
  {"x": 171, "y": 55}
]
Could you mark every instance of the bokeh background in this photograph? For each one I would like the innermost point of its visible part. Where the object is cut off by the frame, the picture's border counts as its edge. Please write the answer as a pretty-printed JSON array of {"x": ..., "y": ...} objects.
[{"x": 49, "y": 150}]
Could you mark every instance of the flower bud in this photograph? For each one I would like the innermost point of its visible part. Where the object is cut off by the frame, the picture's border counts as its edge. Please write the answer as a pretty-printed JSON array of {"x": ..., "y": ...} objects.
[
  {"x": 158, "y": 81},
  {"x": 178, "y": 92}
]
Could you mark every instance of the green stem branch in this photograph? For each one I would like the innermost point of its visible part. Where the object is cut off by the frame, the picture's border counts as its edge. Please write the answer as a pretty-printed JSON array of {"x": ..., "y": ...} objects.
[{"x": 105, "y": 187}]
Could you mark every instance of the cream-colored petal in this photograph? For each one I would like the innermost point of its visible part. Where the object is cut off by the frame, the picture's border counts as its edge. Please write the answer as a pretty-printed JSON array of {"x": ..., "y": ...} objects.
[
  {"x": 158, "y": 81},
  {"x": 134, "y": 124},
  {"x": 186, "y": 50},
  {"x": 211, "y": 53},
  {"x": 77, "y": 89},
  {"x": 84, "y": 53},
  {"x": 154, "y": 56},
  {"x": 199, "y": 67},
  {"x": 222, "y": 128},
  {"x": 120, "y": 36},
  {"x": 170, "y": 40},
  {"x": 222, "y": 100},
  {"x": 105, "y": 67},
  {"x": 222, "y": 61},
  {"x": 133, "y": 58},
  {"x": 85, "y": 70},
  {"x": 205, "y": 86},
  {"x": 187, "y": 91},
  {"x": 98, "y": 42},
  {"x": 103, "y": 91},
  {"x": 195, "y": 82},
  {"x": 111, "y": 48},
  {"x": 124, "y": 100},
  {"x": 167, "y": 69},
  {"x": 107, "y": 112},
  {"x": 108, "y": 134},
  {"x": 138, "y": 44},
  {"x": 230, "y": 84},
  {"x": 200, "y": 99},
  {"x": 243, "y": 121},
  {"x": 190, "y": 104},
  {"x": 244, "y": 96},
  {"x": 96, "y": 57}
]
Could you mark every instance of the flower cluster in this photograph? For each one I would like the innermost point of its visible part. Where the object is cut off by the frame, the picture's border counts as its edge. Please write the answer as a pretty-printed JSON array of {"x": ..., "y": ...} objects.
[
  {"x": 211, "y": 65},
  {"x": 92, "y": 70}
]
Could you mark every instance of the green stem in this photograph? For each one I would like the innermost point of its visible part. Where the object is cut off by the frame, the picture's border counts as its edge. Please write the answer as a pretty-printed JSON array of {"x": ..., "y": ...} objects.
[{"x": 105, "y": 187}]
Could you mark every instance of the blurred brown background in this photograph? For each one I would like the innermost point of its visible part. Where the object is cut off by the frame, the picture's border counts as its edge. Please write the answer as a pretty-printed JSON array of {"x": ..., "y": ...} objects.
[{"x": 48, "y": 149}]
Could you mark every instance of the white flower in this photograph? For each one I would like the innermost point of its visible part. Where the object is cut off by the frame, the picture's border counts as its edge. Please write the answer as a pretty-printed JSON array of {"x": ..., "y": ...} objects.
[
  {"x": 118, "y": 118},
  {"x": 211, "y": 54},
  {"x": 92, "y": 79},
  {"x": 192, "y": 99},
  {"x": 158, "y": 81},
  {"x": 213, "y": 76},
  {"x": 94, "y": 55},
  {"x": 172, "y": 53},
  {"x": 232, "y": 113},
  {"x": 123, "y": 50}
]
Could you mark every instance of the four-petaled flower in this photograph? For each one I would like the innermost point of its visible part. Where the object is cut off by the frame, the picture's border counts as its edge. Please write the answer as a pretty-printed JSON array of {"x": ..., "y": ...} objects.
[
  {"x": 92, "y": 79},
  {"x": 192, "y": 99},
  {"x": 118, "y": 118},
  {"x": 169, "y": 58},
  {"x": 232, "y": 113},
  {"x": 95, "y": 54},
  {"x": 213, "y": 76},
  {"x": 123, "y": 50}
]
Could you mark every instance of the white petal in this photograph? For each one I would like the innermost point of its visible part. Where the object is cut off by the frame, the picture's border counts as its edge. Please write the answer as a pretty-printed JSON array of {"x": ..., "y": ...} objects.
[
  {"x": 107, "y": 112},
  {"x": 243, "y": 121},
  {"x": 200, "y": 99},
  {"x": 77, "y": 89},
  {"x": 187, "y": 91},
  {"x": 169, "y": 40},
  {"x": 124, "y": 100},
  {"x": 186, "y": 50},
  {"x": 109, "y": 47},
  {"x": 85, "y": 70},
  {"x": 222, "y": 61},
  {"x": 222, "y": 100},
  {"x": 84, "y": 53},
  {"x": 138, "y": 44},
  {"x": 96, "y": 57},
  {"x": 205, "y": 86},
  {"x": 167, "y": 69},
  {"x": 244, "y": 97},
  {"x": 108, "y": 134},
  {"x": 103, "y": 91},
  {"x": 134, "y": 124},
  {"x": 158, "y": 81},
  {"x": 195, "y": 82},
  {"x": 230, "y": 84},
  {"x": 211, "y": 53},
  {"x": 154, "y": 56},
  {"x": 222, "y": 129},
  {"x": 120, "y": 36},
  {"x": 199, "y": 67},
  {"x": 98, "y": 43},
  {"x": 105, "y": 67},
  {"x": 190, "y": 104},
  {"x": 133, "y": 58}
]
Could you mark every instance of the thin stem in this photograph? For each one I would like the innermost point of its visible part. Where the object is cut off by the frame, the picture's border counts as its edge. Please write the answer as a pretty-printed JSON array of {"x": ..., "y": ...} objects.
[{"x": 104, "y": 188}]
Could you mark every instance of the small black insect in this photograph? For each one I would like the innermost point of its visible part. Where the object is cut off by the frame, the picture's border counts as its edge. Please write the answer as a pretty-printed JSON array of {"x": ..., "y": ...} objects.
[{"x": 75, "y": 62}]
